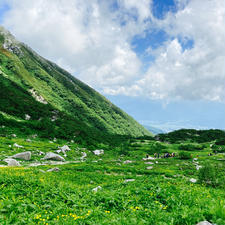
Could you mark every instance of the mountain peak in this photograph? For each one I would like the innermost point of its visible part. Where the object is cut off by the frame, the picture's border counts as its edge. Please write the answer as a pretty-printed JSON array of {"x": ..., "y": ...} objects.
[{"x": 9, "y": 42}]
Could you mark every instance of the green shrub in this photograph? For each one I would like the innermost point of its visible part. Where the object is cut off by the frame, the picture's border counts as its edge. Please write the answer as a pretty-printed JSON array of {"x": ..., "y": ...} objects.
[
  {"x": 210, "y": 175},
  {"x": 185, "y": 155},
  {"x": 190, "y": 147}
]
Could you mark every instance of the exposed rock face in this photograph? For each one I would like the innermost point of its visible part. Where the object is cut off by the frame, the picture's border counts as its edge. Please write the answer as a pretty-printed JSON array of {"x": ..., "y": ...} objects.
[
  {"x": 38, "y": 98},
  {"x": 53, "y": 156},
  {"x": 23, "y": 155},
  {"x": 12, "y": 162}
]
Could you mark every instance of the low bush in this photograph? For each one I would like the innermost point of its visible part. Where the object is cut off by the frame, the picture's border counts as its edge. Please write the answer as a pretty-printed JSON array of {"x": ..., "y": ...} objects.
[
  {"x": 212, "y": 175},
  {"x": 185, "y": 155}
]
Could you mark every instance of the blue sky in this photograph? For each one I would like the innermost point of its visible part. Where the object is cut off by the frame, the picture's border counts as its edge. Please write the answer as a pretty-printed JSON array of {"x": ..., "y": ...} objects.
[{"x": 162, "y": 61}]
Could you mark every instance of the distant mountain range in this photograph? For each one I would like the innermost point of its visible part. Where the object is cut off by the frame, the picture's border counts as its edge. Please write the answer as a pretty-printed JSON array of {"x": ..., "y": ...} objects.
[
  {"x": 154, "y": 130},
  {"x": 36, "y": 95}
]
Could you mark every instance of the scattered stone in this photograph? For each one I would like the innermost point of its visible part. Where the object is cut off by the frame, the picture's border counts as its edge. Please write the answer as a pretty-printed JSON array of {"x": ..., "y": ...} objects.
[
  {"x": 65, "y": 148},
  {"x": 50, "y": 142},
  {"x": 195, "y": 159},
  {"x": 55, "y": 169},
  {"x": 41, "y": 153},
  {"x": 84, "y": 155},
  {"x": 149, "y": 168},
  {"x": 37, "y": 97},
  {"x": 127, "y": 162},
  {"x": 13, "y": 135},
  {"x": 10, "y": 146},
  {"x": 28, "y": 140},
  {"x": 98, "y": 152},
  {"x": 42, "y": 171},
  {"x": 72, "y": 141},
  {"x": 204, "y": 223},
  {"x": 17, "y": 146},
  {"x": 148, "y": 158},
  {"x": 149, "y": 163},
  {"x": 12, "y": 162},
  {"x": 193, "y": 180},
  {"x": 27, "y": 117},
  {"x": 156, "y": 162},
  {"x": 96, "y": 189},
  {"x": 129, "y": 180},
  {"x": 198, "y": 167},
  {"x": 53, "y": 156},
  {"x": 34, "y": 135},
  {"x": 22, "y": 155},
  {"x": 54, "y": 140}
]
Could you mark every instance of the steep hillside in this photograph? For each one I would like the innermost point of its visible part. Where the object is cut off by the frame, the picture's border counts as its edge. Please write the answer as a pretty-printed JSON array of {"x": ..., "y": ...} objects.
[{"x": 38, "y": 94}]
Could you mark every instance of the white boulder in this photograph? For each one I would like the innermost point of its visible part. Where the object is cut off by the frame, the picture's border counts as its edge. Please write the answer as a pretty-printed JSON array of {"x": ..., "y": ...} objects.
[
  {"x": 12, "y": 162},
  {"x": 17, "y": 146},
  {"x": 204, "y": 223},
  {"x": 96, "y": 189},
  {"x": 193, "y": 180},
  {"x": 22, "y": 155},
  {"x": 98, "y": 152},
  {"x": 53, "y": 156}
]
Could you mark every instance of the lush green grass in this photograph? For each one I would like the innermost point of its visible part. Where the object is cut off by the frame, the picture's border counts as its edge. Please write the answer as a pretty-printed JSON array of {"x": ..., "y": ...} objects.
[{"x": 163, "y": 195}]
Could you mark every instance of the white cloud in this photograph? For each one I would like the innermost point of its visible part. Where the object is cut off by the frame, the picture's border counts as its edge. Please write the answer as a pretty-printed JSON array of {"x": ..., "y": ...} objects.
[
  {"x": 196, "y": 73},
  {"x": 93, "y": 41},
  {"x": 84, "y": 37}
]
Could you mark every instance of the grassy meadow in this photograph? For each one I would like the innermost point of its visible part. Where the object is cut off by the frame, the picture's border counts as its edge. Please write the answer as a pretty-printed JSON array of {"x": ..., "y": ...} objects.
[{"x": 129, "y": 189}]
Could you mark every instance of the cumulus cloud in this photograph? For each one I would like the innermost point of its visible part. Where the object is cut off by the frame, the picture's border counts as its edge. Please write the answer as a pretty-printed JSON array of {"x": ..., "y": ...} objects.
[
  {"x": 86, "y": 38},
  {"x": 195, "y": 73},
  {"x": 92, "y": 39}
]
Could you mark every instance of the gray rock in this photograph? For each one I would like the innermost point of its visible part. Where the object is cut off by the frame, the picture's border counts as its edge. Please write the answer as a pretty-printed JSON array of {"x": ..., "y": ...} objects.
[
  {"x": 22, "y": 155},
  {"x": 148, "y": 158},
  {"x": 193, "y": 180},
  {"x": 204, "y": 223},
  {"x": 96, "y": 189},
  {"x": 53, "y": 156},
  {"x": 65, "y": 148},
  {"x": 98, "y": 152},
  {"x": 12, "y": 162},
  {"x": 13, "y": 135},
  {"x": 149, "y": 168},
  {"x": 149, "y": 163},
  {"x": 84, "y": 155},
  {"x": 127, "y": 162},
  {"x": 129, "y": 180},
  {"x": 27, "y": 117},
  {"x": 55, "y": 169},
  {"x": 28, "y": 140},
  {"x": 17, "y": 146}
]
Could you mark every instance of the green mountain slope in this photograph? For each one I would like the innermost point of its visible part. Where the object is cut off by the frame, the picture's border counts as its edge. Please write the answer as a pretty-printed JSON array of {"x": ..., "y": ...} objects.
[{"x": 53, "y": 100}]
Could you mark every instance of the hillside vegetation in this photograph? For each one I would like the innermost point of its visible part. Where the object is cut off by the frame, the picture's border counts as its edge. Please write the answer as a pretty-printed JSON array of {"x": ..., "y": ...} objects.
[{"x": 38, "y": 96}]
